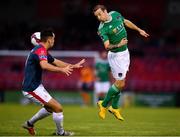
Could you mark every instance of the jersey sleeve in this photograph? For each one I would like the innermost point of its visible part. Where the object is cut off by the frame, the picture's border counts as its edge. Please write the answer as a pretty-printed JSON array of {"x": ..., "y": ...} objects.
[
  {"x": 42, "y": 54},
  {"x": 119, "y": 16},
  {"x": 50, "y": 58}
]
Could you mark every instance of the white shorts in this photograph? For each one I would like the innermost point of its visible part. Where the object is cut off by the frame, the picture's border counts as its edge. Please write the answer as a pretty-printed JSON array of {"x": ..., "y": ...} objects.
[
  {"x": 101, "y": 87},
  {"x": 39, "y": 95},
  {"x": 119, "y": 63}
]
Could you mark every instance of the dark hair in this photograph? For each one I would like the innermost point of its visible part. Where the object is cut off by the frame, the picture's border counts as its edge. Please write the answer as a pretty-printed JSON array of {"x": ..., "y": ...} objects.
[
  {"x": 46, "y": 33},
  {"x": 102, "y": 7}
]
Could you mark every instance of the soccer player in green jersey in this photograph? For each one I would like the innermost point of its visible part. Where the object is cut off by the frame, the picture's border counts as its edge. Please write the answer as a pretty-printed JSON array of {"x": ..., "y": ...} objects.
[
  {"x": 102, "y": 79},
  {"x": 114, "y": 36}
]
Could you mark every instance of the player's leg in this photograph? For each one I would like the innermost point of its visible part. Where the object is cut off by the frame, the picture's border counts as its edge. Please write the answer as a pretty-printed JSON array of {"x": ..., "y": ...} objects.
[
  {"x": 105, "y": 85},
  {"x": 101, "y": 95},
  {"x": 103, "y": 104},
  {"x": 114, "y": 109},
  {"x": 119, "y": 63},
  {"x": 103, "y": 89},
  {"x": 42, "y": 113},
  {"x": 40, "y": 96},
  {"x": 29, "y": 125},
  {"x": 121, "y": 66},
  {"x": 97, "y": 91},
  {"x": 120, "y": 84},
  {"x": 58, "y": 117},
  {"x": 85, "y": 88},
  {"x": 86, "y": 98}
]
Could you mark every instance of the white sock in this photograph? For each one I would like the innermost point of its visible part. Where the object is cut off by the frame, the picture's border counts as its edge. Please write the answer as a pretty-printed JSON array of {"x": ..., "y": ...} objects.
[
  {"x": 58, "y": 119},
  {"x": 42, "y": 113}
]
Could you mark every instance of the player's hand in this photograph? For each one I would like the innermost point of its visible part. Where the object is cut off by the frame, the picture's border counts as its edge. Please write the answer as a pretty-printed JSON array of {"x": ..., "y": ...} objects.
[
  {"x": 79, "y": 64},
  {"x": 143, "y": 33},
  {"x": 67, "y": 70},
  {"x": 124, "y": 41}
]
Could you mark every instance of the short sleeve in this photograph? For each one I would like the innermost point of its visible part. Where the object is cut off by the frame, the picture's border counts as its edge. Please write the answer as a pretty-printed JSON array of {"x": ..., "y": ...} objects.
[
  {"x": 50, "y": 58},
  {"x": 119, "y": 16},
  {"x": 41, "y": 53}
]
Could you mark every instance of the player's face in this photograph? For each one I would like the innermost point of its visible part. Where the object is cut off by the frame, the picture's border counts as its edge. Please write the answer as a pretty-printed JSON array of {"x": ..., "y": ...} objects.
[
  {"x": 51, "y": 41},
  {"x": 101, "y": 15}
]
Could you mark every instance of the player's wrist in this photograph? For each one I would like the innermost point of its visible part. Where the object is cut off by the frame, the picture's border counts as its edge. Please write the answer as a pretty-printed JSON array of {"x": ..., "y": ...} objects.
[
  {"x": 68, "y": 64},
  {"x": 72, "y": 65},
  {"x": 113, "y": 46},
  {"x": 139, "y": 30},
  {"x": 61, "y": 70}
]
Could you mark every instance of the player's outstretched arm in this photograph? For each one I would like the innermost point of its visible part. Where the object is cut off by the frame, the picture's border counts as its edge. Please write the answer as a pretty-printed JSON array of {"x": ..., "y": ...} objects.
[
  {"x": 79, "y": 64},
  {"x": 131, "y": 25},
  {"x": 60, "y": 63},
  {"x": 66, "y": 70}
]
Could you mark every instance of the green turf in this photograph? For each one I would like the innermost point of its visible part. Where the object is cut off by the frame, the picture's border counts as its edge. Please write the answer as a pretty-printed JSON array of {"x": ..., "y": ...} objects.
[{"x": 85, "y": 121}]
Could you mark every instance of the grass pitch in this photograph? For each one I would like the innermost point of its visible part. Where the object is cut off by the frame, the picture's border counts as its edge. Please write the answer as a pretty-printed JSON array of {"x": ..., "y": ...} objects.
[{"x": 85, "y": 121}]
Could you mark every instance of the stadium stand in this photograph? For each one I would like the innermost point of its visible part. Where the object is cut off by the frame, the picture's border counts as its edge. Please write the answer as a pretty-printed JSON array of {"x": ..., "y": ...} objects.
[{"x": 154, "y": 61}]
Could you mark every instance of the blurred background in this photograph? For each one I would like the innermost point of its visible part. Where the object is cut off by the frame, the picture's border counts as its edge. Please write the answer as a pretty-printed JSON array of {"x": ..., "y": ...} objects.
[{"x": 153, "y": 79}]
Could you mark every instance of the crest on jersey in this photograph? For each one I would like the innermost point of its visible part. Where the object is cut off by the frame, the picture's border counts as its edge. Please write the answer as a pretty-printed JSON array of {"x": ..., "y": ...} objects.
[{"x": 118, "y": 17}]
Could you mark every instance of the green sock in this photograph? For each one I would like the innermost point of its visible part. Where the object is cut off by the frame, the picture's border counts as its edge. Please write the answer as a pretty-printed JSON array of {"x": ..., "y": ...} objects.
[
  {"x": 115, "y": 101},
  {"x": 113, "y": 90}
]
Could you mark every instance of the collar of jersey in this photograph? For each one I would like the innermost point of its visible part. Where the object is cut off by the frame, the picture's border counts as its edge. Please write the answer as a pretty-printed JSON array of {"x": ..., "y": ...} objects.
[{"x": 109, "y": 19}]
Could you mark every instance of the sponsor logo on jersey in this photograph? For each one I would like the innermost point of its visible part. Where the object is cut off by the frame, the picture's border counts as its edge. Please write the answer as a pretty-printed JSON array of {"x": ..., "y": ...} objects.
[
  {"x": 115, "y": 30},
  {"x": 42, "y": 56}
]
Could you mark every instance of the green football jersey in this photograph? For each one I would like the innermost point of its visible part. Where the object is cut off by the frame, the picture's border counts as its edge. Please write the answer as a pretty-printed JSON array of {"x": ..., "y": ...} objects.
[
  {"x": 113, "y": 30},
  {"x": 102, "y": 70}
]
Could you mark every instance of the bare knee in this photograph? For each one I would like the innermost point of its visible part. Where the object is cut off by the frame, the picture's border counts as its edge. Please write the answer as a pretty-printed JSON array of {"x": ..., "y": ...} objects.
[
  {"x": 58, "y": 108},
  {"x": 120, "y": 84},
  {"x": 48, "y": 109},
  {"x": 54, "y": 106}
]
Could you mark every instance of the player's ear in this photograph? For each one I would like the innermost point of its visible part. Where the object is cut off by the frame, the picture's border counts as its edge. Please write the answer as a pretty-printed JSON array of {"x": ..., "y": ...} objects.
[
  {"x": 105, "y": 11},
  {"x": 48, "y": 41}
]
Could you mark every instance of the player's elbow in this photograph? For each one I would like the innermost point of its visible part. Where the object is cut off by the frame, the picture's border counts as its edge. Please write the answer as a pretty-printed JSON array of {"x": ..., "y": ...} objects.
[
  {"x": 107, "y": 47},
  {"x": 43, "y": 65}
]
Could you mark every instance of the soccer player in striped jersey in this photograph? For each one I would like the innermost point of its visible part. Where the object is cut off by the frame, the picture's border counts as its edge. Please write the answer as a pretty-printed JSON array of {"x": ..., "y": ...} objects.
[
  {"x": 114, "y": 36},
  {"x": 38, "y": 60}
]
